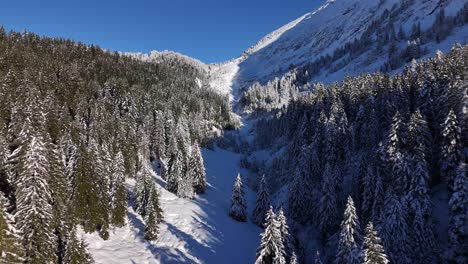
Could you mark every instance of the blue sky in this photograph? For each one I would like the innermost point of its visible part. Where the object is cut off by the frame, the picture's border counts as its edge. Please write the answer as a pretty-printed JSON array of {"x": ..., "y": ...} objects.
[{"x": 210, "y": 30}]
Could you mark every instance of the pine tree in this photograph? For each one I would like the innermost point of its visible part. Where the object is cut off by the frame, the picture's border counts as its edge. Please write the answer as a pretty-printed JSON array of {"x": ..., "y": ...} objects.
[
  {"x": 350, "y": 236},
  {"x": 262, "y": 203},
  {"x": 286, "y": 237},
  {"x": 154, "y": 215},
  {"x": 238, "y": 204},
  {"x": 451, "y": 148},
  {"x": 142, "y": 190},
  {"x": 34, "y": 215},
  {"x": 11, "y": 250},
  {"x": 76, "y": 252},
  {"x": 197, "y": 170},
  {"x": 118, "y": 191},
  {"x": 374, "y": 252},
  {"x": 328, "y": 203},
  {"x": 394, "y": 229},
  {"x": 271, "y": 249},
  {"x": 185, "y": 189},
  {"x": 458, "y": 218},
  {"x": 175, "y": 171}
]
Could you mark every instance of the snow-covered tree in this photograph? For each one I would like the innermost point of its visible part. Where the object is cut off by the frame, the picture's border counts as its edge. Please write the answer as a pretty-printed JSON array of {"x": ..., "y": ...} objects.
[
  {"x": 76, "y": 251},
  {"x": 238, "y": 204},
  {"x": 294, "y": 259},
  {"x": 154, "y": 215},
  {"x": 142, "y": 190},
  {"x": 394, "y": 229},
  {"x": 33, "y": 215},
  {"x": 262, "y": 203},
  {"x": 185, "y": 186},
  {"x": 271, "y": 249},
  {"x": 373, "y": 249},
  {"x": 10, "y": 248},
  {"x": 458, "y": 221},
  {"x": 328, "y": 203},
  {"x": 175, "y": 171},
  {"x": 196, "y": 170},
  {"x": 451, "y": 148},
  {"x": 350, "y": 236},
  {"x": 286, "y": 237},
  {"x": 118, "y": 191}
]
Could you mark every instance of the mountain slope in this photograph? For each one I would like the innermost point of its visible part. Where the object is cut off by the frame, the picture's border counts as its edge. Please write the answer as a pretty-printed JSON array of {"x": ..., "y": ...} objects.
[{"x": 348, "y": 31}]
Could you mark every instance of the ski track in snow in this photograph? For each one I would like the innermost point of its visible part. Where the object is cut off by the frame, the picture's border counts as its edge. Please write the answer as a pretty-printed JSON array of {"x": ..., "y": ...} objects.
[{"x": 192, "y": 231}]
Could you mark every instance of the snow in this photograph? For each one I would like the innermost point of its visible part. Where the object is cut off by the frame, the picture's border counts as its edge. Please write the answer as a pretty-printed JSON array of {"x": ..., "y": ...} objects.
[{"x": 193, "y": 231}]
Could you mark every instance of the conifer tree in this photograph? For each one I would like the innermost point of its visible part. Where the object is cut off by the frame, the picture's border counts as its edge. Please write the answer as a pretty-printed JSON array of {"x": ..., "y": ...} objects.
[
  {"x": 238, "y": 204},
  {"x": 271, "y": 249},
  {"x": 458, "y": 219},
  {"x": 142, "y": 190},
  {"x": 286, "y": 237},
  {"x": 185, "y": 186},
  {"x": 350, "y": 236},
  {"x": 11, "y": 250},
  {"x": 451, "y": 147},
  {"x": 118, "y": 191},
  {"x": 34, "y": 215},
  {"x": 76, "y": 251},
  {"x": 294, "y": 259},
  {"x": 154, "y": 215},
  {"x": 262, "y": 203},
  {"x": 328, "y": 203},
  {"x": 196, "y": 170},
  {"x": 374, "y": 252},
  {"x": 394, "y": 229},
  {"x": 175, "y": 171}
]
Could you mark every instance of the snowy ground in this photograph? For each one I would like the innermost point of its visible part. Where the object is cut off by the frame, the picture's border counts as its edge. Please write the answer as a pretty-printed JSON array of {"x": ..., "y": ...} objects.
[{"x": 198, "y": 231}]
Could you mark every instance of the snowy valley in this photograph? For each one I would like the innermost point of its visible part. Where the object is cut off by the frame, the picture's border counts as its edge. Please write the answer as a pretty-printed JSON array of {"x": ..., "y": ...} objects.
[{"x": 350, "y": 122}]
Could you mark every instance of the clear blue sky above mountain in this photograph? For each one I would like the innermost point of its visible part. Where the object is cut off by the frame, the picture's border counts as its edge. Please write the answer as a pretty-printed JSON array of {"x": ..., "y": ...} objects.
[{"x": 210, "y": 30}]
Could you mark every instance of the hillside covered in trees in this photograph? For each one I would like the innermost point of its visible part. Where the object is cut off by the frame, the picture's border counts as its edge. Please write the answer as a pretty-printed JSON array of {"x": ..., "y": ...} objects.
[{"x": 75, "y": 122}]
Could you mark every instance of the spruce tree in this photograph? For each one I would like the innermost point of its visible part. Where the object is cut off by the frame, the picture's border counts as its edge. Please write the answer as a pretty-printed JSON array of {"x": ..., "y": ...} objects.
[
  {"x": 76, "y": 251},
  {"x": 262, "y": 203},
  {"x": 11, "y": 251},
  {"x": 34, "y": 214},
  {"x": 451, "y": 148},
  {"x": 196, "y": 170},
  {"x": 175, "y": 171},
  {"x": 118, "y": 191},
  {"x": 154, "y": 215},
  {"x": 238, "y": 204},
  {"x": 271, "y": 249},
  {"x": 350, "y": 236},
  {"x": 286, "y": 237},
  {"x": 458, "y": 219},
  {"x": 142, "y": 190},
  {"x": 328, "y": 203},
  {"x": 374, "y": 252}
]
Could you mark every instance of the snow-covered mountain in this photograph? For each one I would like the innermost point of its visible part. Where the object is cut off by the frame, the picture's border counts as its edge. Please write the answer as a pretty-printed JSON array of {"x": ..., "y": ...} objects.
[{"x": 355, "y": 34}]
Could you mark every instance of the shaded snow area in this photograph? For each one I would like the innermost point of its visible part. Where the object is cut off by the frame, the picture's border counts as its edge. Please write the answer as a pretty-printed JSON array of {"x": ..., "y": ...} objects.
[{"x": 192, "y": 231}]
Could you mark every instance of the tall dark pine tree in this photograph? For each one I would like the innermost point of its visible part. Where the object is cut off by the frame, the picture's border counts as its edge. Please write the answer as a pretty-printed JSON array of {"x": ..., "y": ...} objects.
[
  {"x": 196, "y": 170},
  {"x": 328, "y": 203},
  {"x": 238, "y": 204},
  {"x": 374, "y": 252},
  {"x": 451, "y": 148},
  {"x": 350, "y": 237},
  {"x": 76, "y": 251},
  {"x": 262, "y": 204},
  {"x": 271, "y": 249},
  {"x": 175, "y": 171},
  {"x": 142, "y": 190},
  {"x": 458, "y": 221},
  {"x": 118, "y": 191},
  {"x": 154, "y": 215}
]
